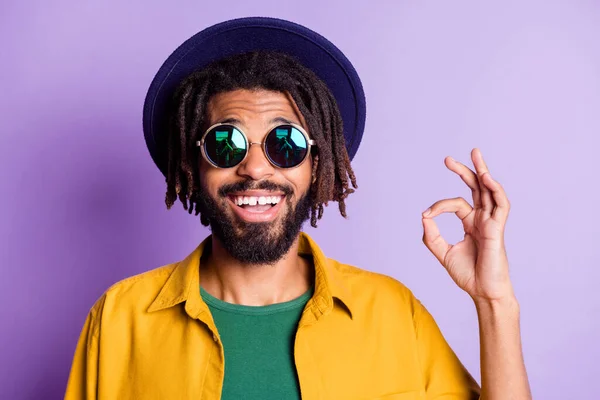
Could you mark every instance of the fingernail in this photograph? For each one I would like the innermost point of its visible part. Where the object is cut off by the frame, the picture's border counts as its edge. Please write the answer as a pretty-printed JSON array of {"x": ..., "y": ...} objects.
[{"x": 427, "y": 212}]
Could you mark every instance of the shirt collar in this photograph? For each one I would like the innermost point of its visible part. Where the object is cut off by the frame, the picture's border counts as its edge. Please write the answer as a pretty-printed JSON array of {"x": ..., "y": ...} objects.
[
  {"x": 329, "y": 282},
  {"x": 183, "y": 285}
]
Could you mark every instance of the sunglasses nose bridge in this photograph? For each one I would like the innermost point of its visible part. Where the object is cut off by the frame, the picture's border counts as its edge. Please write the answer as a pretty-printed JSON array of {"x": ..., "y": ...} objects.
[{"x": 255, "y": 166}]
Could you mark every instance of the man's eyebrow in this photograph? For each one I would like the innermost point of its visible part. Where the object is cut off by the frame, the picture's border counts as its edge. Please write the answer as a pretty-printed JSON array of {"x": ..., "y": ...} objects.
[
  {"x": 276, "y": 120},
  {"x": 233, "y": 121},
  {"x": 281, "y": 120}
]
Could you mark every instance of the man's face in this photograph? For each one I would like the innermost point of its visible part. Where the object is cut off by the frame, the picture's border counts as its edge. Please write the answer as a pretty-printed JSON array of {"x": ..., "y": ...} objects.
[{"x": 255, "y": 234}]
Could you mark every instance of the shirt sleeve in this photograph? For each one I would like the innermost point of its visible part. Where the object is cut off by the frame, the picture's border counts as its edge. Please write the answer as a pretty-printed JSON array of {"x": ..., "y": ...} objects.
[
  {"x": 445, "y": 376},
  {"x": 83, "y": 378}
]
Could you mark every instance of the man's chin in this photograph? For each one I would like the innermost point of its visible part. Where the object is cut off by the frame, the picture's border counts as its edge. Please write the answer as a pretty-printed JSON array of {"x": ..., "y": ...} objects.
[
  {"x": 254, "y": 243},
  {"x": 266, "y": 230}
]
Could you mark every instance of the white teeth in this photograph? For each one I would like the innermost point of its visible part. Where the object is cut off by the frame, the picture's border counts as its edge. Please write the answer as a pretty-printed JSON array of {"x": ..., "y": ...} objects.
[{"x": 253, "y": 200}]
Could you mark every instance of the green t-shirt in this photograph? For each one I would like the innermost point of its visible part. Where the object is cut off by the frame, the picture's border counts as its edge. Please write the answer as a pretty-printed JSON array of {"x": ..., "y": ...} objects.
[{"x": 259, "y": 347}]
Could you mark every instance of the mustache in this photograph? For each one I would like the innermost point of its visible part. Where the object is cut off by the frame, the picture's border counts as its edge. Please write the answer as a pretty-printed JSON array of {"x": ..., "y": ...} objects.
[{"x": 242, "y": 186}]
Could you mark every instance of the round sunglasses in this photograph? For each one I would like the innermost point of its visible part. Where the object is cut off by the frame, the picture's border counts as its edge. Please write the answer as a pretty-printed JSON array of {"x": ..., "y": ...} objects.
[{"x": 226, "y": 145}]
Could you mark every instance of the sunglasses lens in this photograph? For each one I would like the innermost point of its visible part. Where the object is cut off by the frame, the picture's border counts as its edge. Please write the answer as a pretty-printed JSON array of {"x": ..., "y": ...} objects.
[
  {"x": 286, "y": 146},
  {"x": 225, "y": 146}
]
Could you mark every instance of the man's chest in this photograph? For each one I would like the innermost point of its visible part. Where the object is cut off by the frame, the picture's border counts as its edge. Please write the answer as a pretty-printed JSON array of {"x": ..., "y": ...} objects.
[{"x": 332, "y": 359}]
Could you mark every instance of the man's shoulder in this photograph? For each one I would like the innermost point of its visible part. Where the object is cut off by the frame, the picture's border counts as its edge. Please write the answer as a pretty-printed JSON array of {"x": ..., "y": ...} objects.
[
  {"x": 370, "y": 286},
  {"x": 154, "y": 277},
  {"x": 135, "y": 292},
  {"x": 141, "y": 282}
]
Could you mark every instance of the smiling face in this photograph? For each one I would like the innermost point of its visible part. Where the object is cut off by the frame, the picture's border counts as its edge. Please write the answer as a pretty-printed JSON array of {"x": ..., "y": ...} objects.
[{"x": 256, "y": 210}]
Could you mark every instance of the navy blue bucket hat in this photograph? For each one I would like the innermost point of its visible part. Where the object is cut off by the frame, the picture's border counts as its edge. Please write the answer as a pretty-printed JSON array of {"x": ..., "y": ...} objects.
[{"x": 249, "y": 34}]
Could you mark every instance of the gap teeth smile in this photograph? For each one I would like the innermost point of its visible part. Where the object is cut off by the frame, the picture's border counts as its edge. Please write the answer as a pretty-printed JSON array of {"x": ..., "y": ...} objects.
[{"x": 254, "y": 200}]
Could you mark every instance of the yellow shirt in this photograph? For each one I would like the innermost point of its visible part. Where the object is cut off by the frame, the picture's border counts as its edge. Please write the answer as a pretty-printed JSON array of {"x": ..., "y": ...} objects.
[{"x": 362, "y": 335}]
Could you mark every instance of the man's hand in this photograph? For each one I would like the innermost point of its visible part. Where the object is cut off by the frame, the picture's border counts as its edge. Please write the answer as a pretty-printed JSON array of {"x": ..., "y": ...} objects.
[{"x": 478, "y": 263}]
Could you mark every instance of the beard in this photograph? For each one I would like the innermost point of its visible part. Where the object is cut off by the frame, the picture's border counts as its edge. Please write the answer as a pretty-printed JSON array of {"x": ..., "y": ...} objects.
[{"x": 254, "y": 242}]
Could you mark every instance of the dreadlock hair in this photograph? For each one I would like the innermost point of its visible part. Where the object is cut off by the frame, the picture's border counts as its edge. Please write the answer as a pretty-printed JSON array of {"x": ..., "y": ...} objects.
[{"x": 269, "y": 70}]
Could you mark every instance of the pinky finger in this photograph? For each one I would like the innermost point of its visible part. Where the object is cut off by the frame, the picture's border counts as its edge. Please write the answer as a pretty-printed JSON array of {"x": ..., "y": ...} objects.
[{"x": 434, "y": 241}]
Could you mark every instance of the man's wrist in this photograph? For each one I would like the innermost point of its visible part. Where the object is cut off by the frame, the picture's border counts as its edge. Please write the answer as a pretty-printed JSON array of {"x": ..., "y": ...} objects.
[{"x": 501, "y": 307}]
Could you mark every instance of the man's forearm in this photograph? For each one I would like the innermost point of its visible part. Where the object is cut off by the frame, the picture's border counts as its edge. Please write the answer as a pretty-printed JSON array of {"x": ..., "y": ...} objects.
[{"x": 503, "y": 374}]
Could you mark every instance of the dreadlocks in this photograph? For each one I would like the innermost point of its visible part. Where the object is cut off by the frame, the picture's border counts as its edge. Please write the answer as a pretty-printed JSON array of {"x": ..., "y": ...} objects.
[{"x": 258, "y": 70}]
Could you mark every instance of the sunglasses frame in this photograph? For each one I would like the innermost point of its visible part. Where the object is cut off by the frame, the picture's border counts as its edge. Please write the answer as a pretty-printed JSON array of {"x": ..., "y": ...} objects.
[{"x": 310, "y": 142}]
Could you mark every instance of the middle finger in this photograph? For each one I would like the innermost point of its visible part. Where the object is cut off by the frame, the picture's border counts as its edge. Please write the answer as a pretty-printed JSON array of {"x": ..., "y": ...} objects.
[
  {"x": 468, "y": 176},
  {"x": 482, "y": 169}
]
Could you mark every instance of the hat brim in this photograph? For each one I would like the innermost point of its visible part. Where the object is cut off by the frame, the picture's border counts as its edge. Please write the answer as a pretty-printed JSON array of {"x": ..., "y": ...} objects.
[{"x": 249, "y": 34}]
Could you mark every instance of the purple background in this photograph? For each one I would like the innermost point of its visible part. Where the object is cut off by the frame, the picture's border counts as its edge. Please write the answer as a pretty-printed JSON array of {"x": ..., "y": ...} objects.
[{"x": 82, "y": 204}]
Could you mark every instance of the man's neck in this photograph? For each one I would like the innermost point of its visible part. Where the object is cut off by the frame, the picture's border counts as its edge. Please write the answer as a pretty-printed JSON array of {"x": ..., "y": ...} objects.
[{"x": 236, "y": 282}]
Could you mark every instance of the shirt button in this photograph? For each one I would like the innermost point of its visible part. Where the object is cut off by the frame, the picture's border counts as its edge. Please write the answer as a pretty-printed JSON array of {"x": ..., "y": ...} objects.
[{"x": 215, "y": 338}]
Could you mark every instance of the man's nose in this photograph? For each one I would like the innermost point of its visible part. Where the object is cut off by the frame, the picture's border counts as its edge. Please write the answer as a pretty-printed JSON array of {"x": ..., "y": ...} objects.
[{"x": 255, "y": 166}]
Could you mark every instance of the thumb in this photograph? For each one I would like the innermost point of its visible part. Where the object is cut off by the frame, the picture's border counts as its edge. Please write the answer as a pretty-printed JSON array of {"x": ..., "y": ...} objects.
[{"x": 433, "y": 240}]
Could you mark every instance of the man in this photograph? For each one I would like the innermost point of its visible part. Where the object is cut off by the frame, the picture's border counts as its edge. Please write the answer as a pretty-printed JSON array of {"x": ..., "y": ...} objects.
[{"x": 257, "y": 311}]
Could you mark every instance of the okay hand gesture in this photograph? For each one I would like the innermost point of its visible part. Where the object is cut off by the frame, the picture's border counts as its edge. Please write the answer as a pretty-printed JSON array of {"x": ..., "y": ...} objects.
[{"x": 478, "y": 263}]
